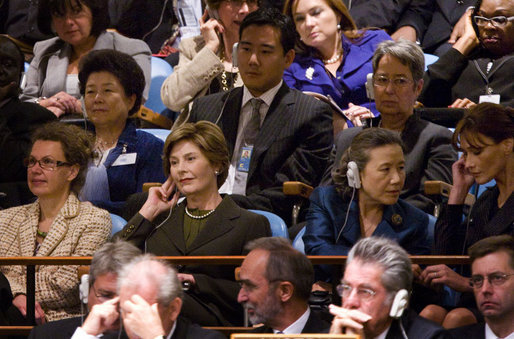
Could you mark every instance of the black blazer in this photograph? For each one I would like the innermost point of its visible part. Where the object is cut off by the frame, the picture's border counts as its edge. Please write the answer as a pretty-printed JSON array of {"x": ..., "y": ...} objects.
[
  {"x": 64, "y": 329},
  {"x": 315, "y": 324},
  {"x": 475, "y": 331},
  {"x": 486, "y": 220},
  {"x": 293, "y": 144},
  {"x": 226, "y": 232},
  {"x": 416, "y": 327}
]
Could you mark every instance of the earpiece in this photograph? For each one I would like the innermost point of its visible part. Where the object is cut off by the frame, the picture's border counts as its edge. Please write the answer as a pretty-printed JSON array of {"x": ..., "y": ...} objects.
[
  {"x": 370, "y": 93},
  {"x": 234, "y": 55},
  {"x": 352, "y": 174},
  {"x": 84, "y": 288},
  {"x": 401, "y": 299}
]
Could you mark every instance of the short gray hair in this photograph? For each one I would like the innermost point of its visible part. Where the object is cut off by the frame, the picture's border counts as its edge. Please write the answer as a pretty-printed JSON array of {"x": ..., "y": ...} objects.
[
  {"x": 406, "y": 51},
  {"x": 285, "y": 263},
  {"x": 390, "y": 256},
  {"x": 147, "y": 269},
  {"x": 110, "y": 258}
]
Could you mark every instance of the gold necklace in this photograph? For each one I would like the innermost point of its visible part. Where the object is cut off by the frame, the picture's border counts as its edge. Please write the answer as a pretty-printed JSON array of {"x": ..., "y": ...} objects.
[{"x": 224, "y": 78}]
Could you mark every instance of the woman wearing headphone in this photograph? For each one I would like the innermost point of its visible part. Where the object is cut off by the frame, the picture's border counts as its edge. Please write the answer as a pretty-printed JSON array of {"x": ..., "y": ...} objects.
[{"x": 364, "y": 202}]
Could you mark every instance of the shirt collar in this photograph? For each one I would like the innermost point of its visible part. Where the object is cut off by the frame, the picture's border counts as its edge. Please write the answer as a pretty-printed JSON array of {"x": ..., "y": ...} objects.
[
  {"x": 172, "y": 330},
  {"x": 489, "y": 334},
  {"x": 267, "y": 96},
  {"x": 298, "y": 325}
]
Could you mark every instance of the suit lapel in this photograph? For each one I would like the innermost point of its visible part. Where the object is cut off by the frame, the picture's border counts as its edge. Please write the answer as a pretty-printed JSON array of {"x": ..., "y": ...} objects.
[
  {"x": 175, "y": 234},
  {"x": 27, "y": 231},
  {"x": 231, "y": 110},
  {"x": 59, "y": 60},
  {"x": 59, "y": 227},
  {"x": 278, "y": 114},
  {"x": 218, "y": 224}
]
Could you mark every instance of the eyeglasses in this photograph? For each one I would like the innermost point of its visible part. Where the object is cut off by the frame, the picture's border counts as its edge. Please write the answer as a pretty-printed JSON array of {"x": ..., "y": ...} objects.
[
  {"x": 497, "y": 21},
  {"x": 400, "y": 82},
  {"x": 364, "y": 294},
  {"x": 495, "y": 279},
  {"x": 103, "y": 295},
  {"x": 47, "y": 163}
]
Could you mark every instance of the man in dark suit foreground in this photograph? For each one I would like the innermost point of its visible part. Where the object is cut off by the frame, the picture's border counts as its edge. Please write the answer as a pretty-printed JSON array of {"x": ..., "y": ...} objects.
[
  {"x": 375, "y": 289},
  {"x": 492, "y": 267},
  {"x": 275, "y": 283},
  {"x": 274, "y": 133}
]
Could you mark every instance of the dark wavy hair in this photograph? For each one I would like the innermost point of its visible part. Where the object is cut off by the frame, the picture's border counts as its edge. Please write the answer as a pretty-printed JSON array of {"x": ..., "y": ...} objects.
[
  {"x": 492, "y": 120},
  {"x": 77, "y": 146},
  {"x": 362, "y": 144},
  {"x": 50, "y": 8},
  {"x": 272, "y": 17},
  {"x": 121, "y": 65}
]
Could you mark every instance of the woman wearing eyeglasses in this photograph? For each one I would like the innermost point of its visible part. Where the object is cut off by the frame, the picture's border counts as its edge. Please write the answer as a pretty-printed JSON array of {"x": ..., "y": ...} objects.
[
  {"x": 486, "y": 137},
  {"x": 206, "y": 63},
  {"x": 56, "y": 224},
  {"x": 480, "y": 65}
]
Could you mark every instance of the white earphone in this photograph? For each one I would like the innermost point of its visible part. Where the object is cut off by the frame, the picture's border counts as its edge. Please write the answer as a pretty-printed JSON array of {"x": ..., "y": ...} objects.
[
  {"x": 401, "y": 299},
  {"x": 84, "y": 288},
  {"x": 352, "y": 174}
]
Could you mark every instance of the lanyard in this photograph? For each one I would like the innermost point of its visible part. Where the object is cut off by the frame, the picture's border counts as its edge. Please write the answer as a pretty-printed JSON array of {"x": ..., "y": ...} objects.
[{"x": 488, "y": 89}]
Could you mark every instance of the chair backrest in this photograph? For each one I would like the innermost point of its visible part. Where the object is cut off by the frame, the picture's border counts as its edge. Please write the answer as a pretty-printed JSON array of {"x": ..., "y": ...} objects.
[
  {"x": 117, "y": 223},
  {"x": 430, "y": 59},
  {"x": 160, "y": 71},
  {"x": 276, "y": 223},
  {"x": 298, "y": 241},
  {"x": 160, "y": 133}
]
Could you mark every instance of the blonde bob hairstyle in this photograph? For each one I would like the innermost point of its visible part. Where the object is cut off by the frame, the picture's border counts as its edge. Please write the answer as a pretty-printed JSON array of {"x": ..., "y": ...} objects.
[{"x": 208, "y": 137}]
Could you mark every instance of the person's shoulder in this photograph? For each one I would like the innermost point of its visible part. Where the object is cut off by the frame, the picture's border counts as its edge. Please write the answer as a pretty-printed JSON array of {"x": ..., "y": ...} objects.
[
  {"x": 56, "y": 329},
  {"x": 194, "y": 42},
  {"x": 434, "y": 129},
  {"x": 186, "y": 329},
  {"x": 371, "y": 36},
  {"x": 419, "y": 327},
  {"x": 125, "y": 44},
  {"x": 148, "y": 139}
]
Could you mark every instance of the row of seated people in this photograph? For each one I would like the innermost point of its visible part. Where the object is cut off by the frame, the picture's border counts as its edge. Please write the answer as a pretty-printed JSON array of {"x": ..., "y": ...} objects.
[
  {"x": 256, "y": 83},
  {"x": 210, "y": 224},
  {"x": 125, "y": 294},
  {"x": 356, "y": 113}
]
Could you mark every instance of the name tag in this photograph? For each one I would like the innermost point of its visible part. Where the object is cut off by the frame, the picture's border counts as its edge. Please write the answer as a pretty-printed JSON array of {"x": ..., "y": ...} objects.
[
  {"x": 243, "y": 165},
  {"x": 125, "y": 159},
  {"x": 493, "y": 98}
]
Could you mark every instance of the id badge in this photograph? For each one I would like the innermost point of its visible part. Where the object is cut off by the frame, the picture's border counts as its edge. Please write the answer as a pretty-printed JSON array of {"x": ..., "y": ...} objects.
[
  {"x": 243, "y": 165},
  {"x": 493, "y": 98},
  {"x": 125, "y": 159}
]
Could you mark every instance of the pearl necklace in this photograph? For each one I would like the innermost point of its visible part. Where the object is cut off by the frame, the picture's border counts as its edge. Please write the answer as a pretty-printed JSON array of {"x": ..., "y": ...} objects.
[
  {"x": 199, "y": 216},
  {"x": 334, "y": 59}
]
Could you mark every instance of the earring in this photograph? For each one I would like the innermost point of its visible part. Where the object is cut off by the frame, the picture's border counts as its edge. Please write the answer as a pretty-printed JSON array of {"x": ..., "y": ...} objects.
[
  {"x": 338, "y": 27},
  {"x": 217, "y": 173}
]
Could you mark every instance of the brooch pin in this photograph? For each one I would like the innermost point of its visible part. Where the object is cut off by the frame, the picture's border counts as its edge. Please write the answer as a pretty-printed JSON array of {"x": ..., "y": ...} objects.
[
  {"x": 309, "y": 72},
  {"x": 397, "y": 219}
]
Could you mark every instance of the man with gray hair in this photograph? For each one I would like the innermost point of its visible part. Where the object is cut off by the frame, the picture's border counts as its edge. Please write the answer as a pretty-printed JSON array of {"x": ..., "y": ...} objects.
[
  {"x": 276, "y": 283},
  {"x": 149, "y": 302},
  {"x": 398, "y": 68},
  {"x": 99, "y": 288},
  {"x": 375, "y": 292}
]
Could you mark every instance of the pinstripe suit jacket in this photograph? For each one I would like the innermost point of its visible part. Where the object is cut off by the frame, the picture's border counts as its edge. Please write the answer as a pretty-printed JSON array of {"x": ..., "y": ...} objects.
[
  {"x": 294, "y": 143},
  {"x": 485, "y": 221},
  {"x": 78, "y": 230}
]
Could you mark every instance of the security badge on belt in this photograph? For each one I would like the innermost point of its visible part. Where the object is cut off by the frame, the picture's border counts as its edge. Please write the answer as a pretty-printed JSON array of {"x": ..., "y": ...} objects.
[{"x": 243, "y": 164}]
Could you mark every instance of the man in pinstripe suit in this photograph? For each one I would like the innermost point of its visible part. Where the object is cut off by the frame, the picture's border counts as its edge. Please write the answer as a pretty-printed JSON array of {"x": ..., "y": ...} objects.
[{"x": 295, "y": 134}]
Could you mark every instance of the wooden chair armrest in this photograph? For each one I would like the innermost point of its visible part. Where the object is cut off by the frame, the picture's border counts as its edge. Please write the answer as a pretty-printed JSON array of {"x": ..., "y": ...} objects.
[
  {"x": 148, "y": 185},
  {"x": 297, "y": 188},
  {"x": 160, "y": 120},
  {"x": 443, "y": 189},
  {"x": 82, "y": 270}
]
